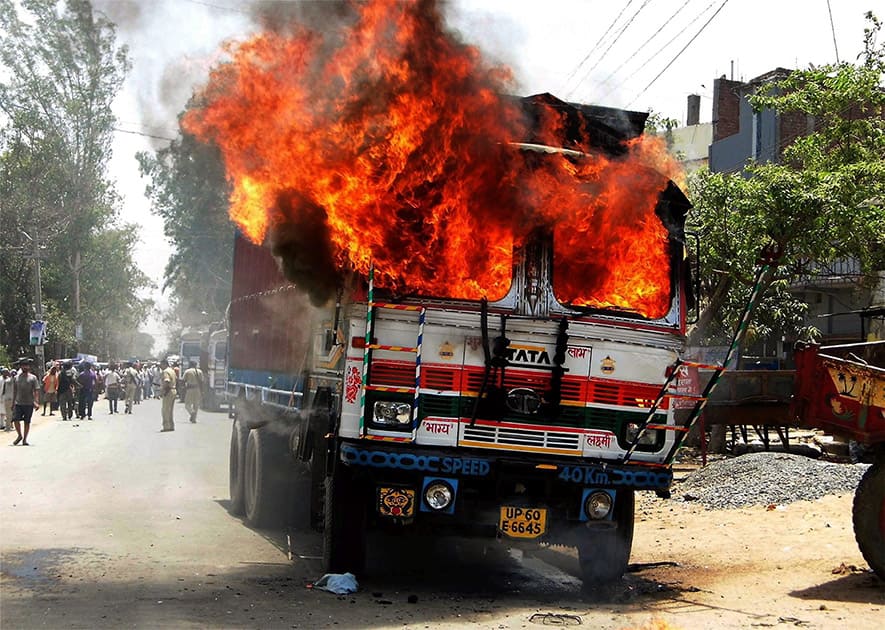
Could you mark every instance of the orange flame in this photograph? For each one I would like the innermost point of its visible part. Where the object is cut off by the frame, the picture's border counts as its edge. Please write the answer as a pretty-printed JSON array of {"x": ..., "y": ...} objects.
[{"x": 399, "y": 134}]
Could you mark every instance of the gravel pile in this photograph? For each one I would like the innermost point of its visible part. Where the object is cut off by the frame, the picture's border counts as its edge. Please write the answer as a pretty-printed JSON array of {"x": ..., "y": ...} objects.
[{"x": 767, "y": 478}]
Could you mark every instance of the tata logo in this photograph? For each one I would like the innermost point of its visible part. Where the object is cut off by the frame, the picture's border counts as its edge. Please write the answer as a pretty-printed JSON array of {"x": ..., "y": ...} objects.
[
  {"x": 528, "y": 354},
  {"x": 523, "y": 400}
]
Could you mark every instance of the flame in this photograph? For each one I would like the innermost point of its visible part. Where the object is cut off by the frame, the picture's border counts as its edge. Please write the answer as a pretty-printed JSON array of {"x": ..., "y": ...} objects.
[{"x": 395, "y": 135}]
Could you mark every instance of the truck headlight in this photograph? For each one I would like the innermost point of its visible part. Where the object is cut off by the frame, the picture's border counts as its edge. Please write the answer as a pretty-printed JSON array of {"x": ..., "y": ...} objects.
[
  {"x": 438, "y": 495},
  {"x": 597, "y": 505},
  {"x": 392, "y": 413},
  {"x": 649, "y": 438}
]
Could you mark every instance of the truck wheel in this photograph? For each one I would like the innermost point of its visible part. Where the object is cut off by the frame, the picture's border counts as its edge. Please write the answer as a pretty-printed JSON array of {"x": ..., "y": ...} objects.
[
  {"x": 604, "y": 554},
  {"x": 316, "y": 436},
  {"x": 267, "y": 478},
  {"x": 869, "y": 516},
  {"x": 238, "y": 436},
  {"x": 344, "y": 533},
  {"x": 302, "y": 515}
]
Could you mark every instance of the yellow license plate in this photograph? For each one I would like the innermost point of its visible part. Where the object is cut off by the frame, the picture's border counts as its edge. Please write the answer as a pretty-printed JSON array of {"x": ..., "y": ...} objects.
[
  {"x": 396, "y": 502},
  {"x": 522, "y": 522}
]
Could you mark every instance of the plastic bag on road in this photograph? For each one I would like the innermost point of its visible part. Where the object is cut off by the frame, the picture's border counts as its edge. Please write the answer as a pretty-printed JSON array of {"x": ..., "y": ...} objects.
[{"x": 338, "y": 583}]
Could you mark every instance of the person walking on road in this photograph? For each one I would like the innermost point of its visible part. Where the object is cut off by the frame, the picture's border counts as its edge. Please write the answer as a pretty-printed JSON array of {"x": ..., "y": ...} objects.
[
  {"x": 112, "y": 388},
  {"x": 67, "y": 379},
  {"x": 167, "y": 391},
  {"x": 25, "y": 400},
  {"x": 156, "y": 380},
  {"x": 130, "y": 385},
  {"x": 87, "y": 380},
  {"x": 193, "y": 383},
  {"x": 50, "y": 390},
  {"x": 6, "y": 399},
  {"x": 146, "y": 382}
]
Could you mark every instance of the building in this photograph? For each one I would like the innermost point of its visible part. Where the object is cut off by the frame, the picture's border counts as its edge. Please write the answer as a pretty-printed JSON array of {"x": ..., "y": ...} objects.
[
  {"x": 691, "y": 143},
  {"x": 837, "y": 306}
]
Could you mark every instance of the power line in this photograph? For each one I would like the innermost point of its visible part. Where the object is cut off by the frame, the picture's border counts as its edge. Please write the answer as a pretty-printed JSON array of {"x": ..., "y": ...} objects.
[
  {"x": 154, "y": 128},
  {"x": 141, "y": 133},
  {"x": 672, "y": 61},
  {"x": 216, "y": 6},
  {"x": 665, "y": 46},
  {"x": 647, "y": 42},
  {"x": 613, "y": 42},
  {"x": 596, "y": 45}
]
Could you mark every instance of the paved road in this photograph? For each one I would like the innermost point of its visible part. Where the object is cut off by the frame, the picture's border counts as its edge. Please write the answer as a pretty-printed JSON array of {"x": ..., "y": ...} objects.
[{"x": 111, "y": 523}]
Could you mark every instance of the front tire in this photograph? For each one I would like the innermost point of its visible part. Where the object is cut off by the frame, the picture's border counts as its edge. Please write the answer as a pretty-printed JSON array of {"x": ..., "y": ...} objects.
[
  {"x": 318, "y": 445},
  {"x": 604, "y": 554},
  {"x": 344, "y": 533},
  {"x": 238, "y": 436},
  {"x": 869, "y": 516},
  {"x": 268, "y": 473}
]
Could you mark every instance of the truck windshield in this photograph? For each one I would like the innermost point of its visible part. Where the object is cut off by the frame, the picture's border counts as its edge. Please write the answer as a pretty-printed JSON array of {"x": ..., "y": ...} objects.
[
  {"x": 488, "y": 276},
  {"x": 190, "y": 349},
  {"x": 633, "y": 276}
]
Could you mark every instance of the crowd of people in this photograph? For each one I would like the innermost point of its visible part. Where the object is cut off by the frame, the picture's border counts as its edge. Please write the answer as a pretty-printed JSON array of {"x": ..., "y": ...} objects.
[{"x": 72, "y": 388}]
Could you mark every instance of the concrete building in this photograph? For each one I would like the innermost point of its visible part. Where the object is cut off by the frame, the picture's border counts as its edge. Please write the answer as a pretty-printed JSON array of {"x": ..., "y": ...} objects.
[{"x": 691, "y": 143}]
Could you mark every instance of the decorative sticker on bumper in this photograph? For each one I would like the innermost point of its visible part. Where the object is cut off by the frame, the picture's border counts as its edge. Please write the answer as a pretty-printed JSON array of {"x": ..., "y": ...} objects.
[{"x": 396, "y": 502}]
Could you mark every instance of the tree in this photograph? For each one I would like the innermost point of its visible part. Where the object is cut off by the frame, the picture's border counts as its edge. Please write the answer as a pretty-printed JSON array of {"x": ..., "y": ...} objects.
[
  {"x": 824, "y": 201},
  {"x": 188, "y": 190},
  {"x": 61, "y": 72}
]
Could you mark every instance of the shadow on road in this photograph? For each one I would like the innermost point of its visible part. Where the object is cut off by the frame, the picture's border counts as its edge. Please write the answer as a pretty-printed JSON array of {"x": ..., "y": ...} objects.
[
  {"x": 862, "y": 587},
  {"x": 410, "y": 582}
]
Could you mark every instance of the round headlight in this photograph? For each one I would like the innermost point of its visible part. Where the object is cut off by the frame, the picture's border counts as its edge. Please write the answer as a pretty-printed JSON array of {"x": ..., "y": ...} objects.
[
  {"x": 649, "y": 437},
  {"x": 597, "y": 505},
  {"x": 438, "y": 495},
  {"x": 392, "y": 413}
]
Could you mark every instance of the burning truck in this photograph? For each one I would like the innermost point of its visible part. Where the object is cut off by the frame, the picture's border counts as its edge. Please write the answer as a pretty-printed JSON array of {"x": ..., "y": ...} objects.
[{"x": 452, "y": 311}]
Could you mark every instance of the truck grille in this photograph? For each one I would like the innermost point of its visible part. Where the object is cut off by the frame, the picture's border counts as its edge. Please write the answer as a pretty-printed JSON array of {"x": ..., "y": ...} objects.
[
  {"x": 492, "y": 434},
  {"x": 513, "y": 378}
]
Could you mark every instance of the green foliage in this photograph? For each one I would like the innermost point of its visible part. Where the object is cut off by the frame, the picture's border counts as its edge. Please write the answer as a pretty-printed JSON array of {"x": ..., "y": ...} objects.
[
  {"x": 188, "y": 190},
  {"x": 657, "y": 124},
  {"x": 61, "y": 70},
  {"x": 822, "y": 203}
]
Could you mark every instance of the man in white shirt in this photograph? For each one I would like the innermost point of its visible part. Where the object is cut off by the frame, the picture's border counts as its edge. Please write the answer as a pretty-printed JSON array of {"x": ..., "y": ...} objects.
[{"x": 112, "y": 387}]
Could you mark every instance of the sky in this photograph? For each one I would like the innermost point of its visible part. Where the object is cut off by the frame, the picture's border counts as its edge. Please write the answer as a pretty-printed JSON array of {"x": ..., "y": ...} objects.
[{"x": 632, "y": 54}]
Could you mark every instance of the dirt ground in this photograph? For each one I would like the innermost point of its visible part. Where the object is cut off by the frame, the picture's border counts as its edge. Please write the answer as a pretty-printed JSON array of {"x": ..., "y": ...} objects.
[{"x": 113, "y": 524}]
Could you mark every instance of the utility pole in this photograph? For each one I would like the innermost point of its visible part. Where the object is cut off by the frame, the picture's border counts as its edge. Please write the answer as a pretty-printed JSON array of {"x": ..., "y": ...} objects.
[{"x": 38, "y": 302}]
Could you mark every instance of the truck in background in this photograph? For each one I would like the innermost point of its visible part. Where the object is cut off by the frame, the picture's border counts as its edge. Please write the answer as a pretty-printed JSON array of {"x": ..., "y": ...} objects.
[
  {"x": 207, "y": 347},
  {"x": 527, "y": 417},
  {"x": 191, "y": 347},
  {"x": 215, "y": 371}
]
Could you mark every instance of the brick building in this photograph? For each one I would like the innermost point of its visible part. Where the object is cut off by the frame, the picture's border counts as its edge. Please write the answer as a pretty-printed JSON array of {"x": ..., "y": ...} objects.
[{"x": 740, "y": 134}]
